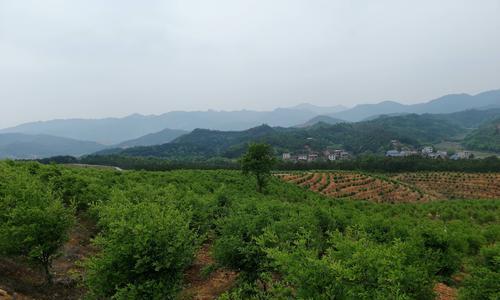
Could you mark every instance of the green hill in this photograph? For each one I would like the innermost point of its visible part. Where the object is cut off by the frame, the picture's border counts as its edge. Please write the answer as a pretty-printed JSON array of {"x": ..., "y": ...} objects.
[
  {"x": 486, "y": 137},
  {"x": 363, "y": 137}
]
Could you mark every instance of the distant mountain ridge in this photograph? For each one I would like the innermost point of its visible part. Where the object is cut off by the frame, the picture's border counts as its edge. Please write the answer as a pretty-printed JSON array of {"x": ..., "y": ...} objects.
[
  {"x": 157, "y": 138},
  {"x": 446, "y": 104},
  {"x": 320, "y": 119},
  {"x": 113, "y": 131},
  {"x": 373, "y": 136},
  {"x": 320, "y": 110},
  {"x": 17, "y": 145}
]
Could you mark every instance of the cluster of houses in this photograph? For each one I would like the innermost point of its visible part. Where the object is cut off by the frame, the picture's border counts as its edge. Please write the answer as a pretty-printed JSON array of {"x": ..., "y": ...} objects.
[
  {"x": 311, "y": 156},
  {"x": 429, "y": 152}
]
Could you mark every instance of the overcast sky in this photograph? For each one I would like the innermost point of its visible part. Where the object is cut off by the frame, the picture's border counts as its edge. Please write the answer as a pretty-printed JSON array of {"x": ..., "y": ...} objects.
[{"x": 97, "y": 58}]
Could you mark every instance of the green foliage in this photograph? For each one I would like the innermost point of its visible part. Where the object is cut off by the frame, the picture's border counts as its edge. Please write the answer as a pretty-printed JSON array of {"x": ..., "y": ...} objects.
[
  {"x": 259, "y": 161},
  {"x": 34, "y": 221},
  {"x": 486, "y": 137},
  {"x": 373, "y": 136},
  {"x": 483, "y": 282},
  {"x": 145, "y": 248},
  {"x": 287, "y": 243},
  {"x": 354, "y": 267}
]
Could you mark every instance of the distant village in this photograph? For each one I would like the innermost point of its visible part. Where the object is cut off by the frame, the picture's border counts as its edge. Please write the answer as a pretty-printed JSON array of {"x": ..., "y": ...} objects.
[
  {"x": 341, "y": 154},
  {"x": 311, "y": 156},
  {"x": 427, "y": 151}
]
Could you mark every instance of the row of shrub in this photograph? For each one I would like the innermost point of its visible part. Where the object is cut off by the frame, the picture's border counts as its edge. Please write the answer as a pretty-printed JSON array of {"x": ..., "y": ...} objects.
[{"x": 287, "y": 243}]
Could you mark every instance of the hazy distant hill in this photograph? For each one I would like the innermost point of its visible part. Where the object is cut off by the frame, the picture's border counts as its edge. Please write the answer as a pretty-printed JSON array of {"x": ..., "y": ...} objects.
[
  {"x": 112, "y": 131},
  {"x": 157, "y": 138},
  {"x": 486, "y": 137},
  {"x": 320, "y": 119},
  {"x": 320, "y": 110},
  {"x": 16, "y": 145},
  {"x": 471, "y": 118},
  {"x": 445, "y": 104},
  {"x": 362, "y": 137}
]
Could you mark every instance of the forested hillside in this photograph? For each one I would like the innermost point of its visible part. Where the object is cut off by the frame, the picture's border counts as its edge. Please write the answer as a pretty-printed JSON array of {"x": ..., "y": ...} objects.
[
  {"x": 486, "y": 137},
  {"x": 358, "y": 138},
  {"x": 285, "y": 243}
]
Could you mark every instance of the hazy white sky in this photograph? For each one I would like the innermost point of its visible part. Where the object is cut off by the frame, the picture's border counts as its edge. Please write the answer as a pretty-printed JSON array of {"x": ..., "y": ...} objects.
[{"x": 97, "y": 58}]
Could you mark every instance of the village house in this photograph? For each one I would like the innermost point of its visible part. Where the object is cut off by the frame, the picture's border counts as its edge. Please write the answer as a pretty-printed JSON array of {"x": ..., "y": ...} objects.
[
  {"x": 393, "y": 153},
  {"x": 462, "y": 155},
  {"x": 302, "y": 157},
  {"x": 338, "y": 155},
  {"x": 312, "y": 156},
  {"x": 427, "y": 150}
]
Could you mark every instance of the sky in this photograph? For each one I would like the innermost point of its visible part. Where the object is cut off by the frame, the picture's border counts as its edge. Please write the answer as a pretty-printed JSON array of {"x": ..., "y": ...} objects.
[{"x": 95, "y": 58}]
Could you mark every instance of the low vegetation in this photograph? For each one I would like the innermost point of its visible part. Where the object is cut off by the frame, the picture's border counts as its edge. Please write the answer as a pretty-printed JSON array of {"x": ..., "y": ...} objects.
[
  {"x": 399, "y": 187},
  {"x": 286, "y": 243}
]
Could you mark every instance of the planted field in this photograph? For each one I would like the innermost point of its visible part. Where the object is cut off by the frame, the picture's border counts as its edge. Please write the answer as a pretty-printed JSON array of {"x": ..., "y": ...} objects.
[
  {"x": 210, "y": 235},
  {"x": 455, "y": 185},
  {"x": 405, "y": 187}
]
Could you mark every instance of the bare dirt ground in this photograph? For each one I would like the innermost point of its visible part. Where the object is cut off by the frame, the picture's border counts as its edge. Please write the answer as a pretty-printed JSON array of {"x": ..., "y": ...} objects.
[
  {"x": 444, "y": 292},
  {"x": 22, "y": 281},
  {"x": 200, "y": 287}
]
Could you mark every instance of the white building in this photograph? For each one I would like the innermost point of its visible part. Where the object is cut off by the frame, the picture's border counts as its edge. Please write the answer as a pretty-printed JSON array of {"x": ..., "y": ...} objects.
[
  {"x": 338, "y": 155},
  {"x": 393, "y": 153},
  {"x": 287, "y": 156},
  {"x": 302, "y": 157},
  {"x": 427, "y": 150},
  {"x": 462, "y": 155}
]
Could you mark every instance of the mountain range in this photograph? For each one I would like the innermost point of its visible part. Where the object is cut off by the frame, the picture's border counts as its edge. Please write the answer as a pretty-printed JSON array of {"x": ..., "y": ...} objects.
[
  {"x": 18, "y": 145},
  {"x": 365, "y": 137},
  {"x": 141, "y": 130},
  {"x": 446, "y": 104}
]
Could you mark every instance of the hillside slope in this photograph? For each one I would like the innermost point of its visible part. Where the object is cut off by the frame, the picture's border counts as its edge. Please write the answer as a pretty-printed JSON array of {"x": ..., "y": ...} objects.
[
  {"x": 443, "y": 105},
  {"x": 157, "y": 138},
  {"x": 321, "y": 119},
  {"x": 112, "y": 131},
  {"x": 363, "y": 137},
  {"x": 15, "y": 145},
  {"x": 486, "y": 137}
]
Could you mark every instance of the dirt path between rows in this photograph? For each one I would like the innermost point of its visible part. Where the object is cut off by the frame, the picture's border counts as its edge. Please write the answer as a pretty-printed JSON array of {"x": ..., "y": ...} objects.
[
  {"x": 200, "y": 287},
  {"x": 22, "y": 281}
]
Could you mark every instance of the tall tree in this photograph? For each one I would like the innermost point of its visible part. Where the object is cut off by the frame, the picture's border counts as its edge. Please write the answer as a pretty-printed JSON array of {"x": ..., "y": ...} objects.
[{"x": 259, "y": 161}]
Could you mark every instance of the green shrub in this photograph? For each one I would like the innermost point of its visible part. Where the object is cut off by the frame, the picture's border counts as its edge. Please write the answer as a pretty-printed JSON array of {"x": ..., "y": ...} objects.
[
  {"x": 33, "y": 222},
  {"x": 145, "y": 248}
]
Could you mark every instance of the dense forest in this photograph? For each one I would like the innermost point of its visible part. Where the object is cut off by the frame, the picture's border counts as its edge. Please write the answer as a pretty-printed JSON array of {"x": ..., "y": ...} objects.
[{"x": 283, "y": 243}]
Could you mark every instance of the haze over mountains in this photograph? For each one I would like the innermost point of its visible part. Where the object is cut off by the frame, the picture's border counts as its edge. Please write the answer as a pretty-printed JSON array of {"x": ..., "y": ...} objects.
[
  {"x": 139, "y": 130},
  {"x": 446, "y": 104},
  {"x": 18, "y": 145}
]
